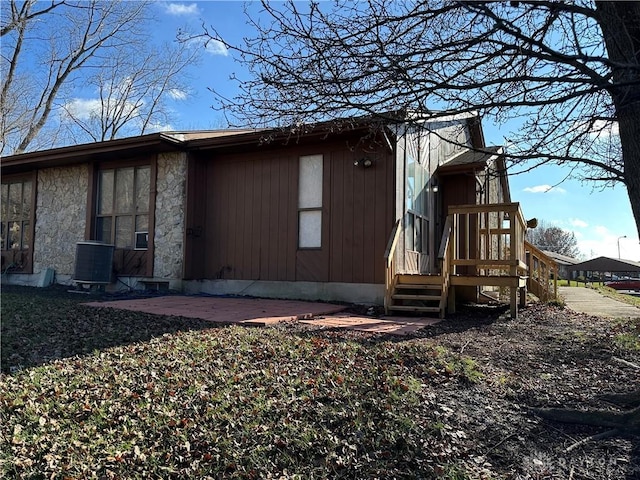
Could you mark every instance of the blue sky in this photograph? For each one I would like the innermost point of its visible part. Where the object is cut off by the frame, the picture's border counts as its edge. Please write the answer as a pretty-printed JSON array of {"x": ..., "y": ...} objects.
[{"x": 597, "y": 217}]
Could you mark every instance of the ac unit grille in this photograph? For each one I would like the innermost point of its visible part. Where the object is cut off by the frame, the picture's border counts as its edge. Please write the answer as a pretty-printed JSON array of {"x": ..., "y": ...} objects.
[{"x": 93, "y": 263}]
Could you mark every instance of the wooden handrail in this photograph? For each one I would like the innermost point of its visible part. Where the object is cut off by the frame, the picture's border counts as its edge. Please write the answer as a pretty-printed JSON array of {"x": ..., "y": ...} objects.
[
  {"x": 444, "y": 257},
  {"x": 482, "y": 241},
  {"x": 535, "y": 250},
  {"x": 539, "y": 280},
  {"x": 446, "y": 237},
  {"x": 392, "y": 242},
  {"x": 486, "y": 207},
  {"x": 390, "y": 265}
]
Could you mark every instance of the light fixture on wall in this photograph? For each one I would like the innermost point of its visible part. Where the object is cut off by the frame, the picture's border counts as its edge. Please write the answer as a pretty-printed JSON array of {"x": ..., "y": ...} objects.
[
  {"x": 364, "y": 162},
  {"x": 434, "y": 185}
]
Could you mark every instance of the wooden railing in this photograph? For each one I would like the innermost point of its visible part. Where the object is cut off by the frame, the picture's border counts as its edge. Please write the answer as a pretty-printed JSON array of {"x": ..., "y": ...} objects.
[
  {"x": 390, "y": 265},
  {"x": 543, "y": 274},
  {"x": 483, "y": 245},
  {"x": 488, "y": 239},
  {"x": 444, "y": 258}
]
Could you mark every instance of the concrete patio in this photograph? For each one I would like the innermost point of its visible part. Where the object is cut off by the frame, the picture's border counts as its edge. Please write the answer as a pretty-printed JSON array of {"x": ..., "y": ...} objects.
[{"x": 260, "y": 312}]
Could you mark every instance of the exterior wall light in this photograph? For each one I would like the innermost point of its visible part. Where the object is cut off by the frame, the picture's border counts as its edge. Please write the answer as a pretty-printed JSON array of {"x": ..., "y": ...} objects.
[{"x": 365, "y": 162}]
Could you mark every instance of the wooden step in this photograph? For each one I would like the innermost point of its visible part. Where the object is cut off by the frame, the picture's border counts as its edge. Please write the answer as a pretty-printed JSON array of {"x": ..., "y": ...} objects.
[
  {"x": 419, "y": 279},
  {"x": 424, "y": 298},
  {"x": 418, "y": 286},
  {"x": 412, "y": 308}
]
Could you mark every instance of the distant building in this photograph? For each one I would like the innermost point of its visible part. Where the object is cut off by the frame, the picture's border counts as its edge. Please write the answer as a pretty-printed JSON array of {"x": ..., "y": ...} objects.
[
  {"x": 564, "y": 263},
  {"x": 606, "y": 267}
]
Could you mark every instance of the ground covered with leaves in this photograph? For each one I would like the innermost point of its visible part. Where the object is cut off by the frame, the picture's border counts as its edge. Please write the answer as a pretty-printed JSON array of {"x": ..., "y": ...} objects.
[{"x": 102, "y": 393}]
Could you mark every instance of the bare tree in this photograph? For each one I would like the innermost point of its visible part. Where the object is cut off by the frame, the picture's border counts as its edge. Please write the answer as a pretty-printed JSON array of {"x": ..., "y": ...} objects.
[
  {"x": 50, "y": 49},
  {"x": 567, "y": 72},
  {"x": 131, "y": 93},
  {"x": 554, "y": 239}
]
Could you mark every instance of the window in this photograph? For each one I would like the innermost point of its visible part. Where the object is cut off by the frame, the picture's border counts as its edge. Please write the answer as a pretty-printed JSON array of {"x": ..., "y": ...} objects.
[
  {"x": 122, "y": 207},
  {"x": 310, "y": 202},
  {"x": 416, "y": 199},
  {"x": 16, "y": 197}
]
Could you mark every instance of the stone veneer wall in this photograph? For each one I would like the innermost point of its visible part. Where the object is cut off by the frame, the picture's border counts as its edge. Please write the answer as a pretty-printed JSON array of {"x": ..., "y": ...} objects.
[
  {"x": 169, "y": 218},
  {"x": 61, "y": 206}
]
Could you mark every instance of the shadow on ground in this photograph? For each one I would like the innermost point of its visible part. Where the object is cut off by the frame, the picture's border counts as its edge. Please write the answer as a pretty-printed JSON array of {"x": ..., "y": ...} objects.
[{"x": 40, "y": 325}]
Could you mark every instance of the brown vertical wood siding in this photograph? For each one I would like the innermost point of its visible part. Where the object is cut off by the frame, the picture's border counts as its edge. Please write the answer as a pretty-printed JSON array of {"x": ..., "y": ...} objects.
[
  {"x": 251, "y": 224},
  {"x": 250, "y": 227}
]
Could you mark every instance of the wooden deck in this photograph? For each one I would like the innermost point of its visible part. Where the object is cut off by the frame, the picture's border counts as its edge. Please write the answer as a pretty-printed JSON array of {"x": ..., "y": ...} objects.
[{"x": 482, "y": 246}]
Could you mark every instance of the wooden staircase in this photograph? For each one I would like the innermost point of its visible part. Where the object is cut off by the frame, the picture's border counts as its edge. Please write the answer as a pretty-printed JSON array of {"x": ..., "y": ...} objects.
[
  {"x": 418, "y": 293},
  {"x": 481, "y": 245}
]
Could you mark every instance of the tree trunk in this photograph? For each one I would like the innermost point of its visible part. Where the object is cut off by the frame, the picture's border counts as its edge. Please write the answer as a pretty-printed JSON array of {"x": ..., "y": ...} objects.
[
  {"x": 620, "y": 23},
  {"x": 629, "y": 400},
  {"x": 623, "y": 422}
]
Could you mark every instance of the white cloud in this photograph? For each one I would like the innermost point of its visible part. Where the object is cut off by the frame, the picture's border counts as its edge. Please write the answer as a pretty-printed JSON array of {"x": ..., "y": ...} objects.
[
  {"x": 83, "y": 108},
  {"x": 212, "y": 46},
  {"x": 599, "y": 241},
  {"x": 181, "y": 9},
  {"x": 576, "y": 222},
  {"x": 216, "y": 47},
  {"x": 544, "y": 189},
  {"x": 602, "y": 230},
  {"x": 604, "y": 129},
  {"x": 159, "y": 127},
  {"x": 177, "y": 94}
]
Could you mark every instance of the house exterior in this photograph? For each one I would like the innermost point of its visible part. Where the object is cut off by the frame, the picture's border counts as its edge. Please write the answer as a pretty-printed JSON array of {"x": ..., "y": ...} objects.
[
  {"x": 273, "y": 213},
  {"x": 564, "y": 264}
]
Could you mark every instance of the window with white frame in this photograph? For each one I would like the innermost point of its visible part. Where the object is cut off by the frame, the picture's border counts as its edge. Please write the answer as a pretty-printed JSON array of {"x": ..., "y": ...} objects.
[{"x": 310, "y": 201}]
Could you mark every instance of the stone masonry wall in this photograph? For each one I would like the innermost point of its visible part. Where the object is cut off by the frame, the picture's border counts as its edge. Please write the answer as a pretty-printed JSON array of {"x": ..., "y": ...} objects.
[
  {"x": 61, "y": 206},
  {"x": 169, "y": 218}
]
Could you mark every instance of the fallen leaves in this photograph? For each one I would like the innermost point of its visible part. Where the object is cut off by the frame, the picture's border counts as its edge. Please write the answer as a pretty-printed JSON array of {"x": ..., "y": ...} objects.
[
  {"x": 174, "y": 398},
  {"x": 239, "y": 401}
]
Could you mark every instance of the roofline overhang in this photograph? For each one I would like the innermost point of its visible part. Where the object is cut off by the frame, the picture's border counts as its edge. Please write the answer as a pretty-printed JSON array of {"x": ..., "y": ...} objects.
[
  {"x": 87, "y": 152},
  {"x": 278, "y": 136},
  {"x": 498, "y": 155},
  {"x": 170, "y": 141}
]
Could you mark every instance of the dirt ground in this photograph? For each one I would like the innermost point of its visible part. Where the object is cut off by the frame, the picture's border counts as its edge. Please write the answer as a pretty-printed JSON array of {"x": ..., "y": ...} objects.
[{"x": 549, "y": 357}]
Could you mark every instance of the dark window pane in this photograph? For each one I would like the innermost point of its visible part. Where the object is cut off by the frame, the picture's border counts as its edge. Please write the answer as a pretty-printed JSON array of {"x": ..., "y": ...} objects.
[
  {"x": 124, "y": 232},
  {"x": 409, "y": 235},
  {"x": 26, "y": 239},
  {"x": 15, "y": 201},
  {"x": 14, "y": 235},
  {"x": 3, "y": 236},
  {"x": 103, "y": 229},
  {"x": 142, "y": 223},
  {"x": 105, "y": 195},
  {"x": 26, "y": 200},
  {"x": 124, "y": 190},
  {"x": 142, "y": 189},
  {"x": 3, "y": 201}
]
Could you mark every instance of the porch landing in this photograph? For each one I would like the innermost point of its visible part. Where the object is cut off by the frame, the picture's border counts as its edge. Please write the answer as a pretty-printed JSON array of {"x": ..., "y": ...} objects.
[{"x": 260, "y": 312}]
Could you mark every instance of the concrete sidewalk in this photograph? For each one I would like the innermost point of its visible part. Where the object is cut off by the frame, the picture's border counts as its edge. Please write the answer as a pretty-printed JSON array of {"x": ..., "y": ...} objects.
[{"x": 587, "y": 300}]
